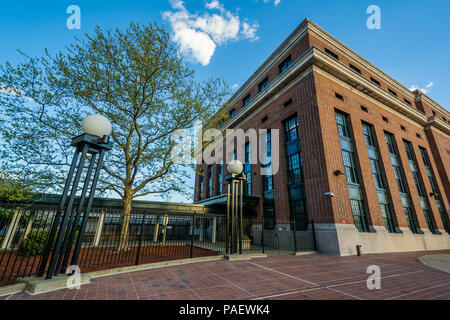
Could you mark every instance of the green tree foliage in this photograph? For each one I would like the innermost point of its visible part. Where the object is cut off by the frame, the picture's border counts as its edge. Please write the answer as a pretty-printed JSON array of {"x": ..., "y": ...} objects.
[{"x": 134, "y": 77}]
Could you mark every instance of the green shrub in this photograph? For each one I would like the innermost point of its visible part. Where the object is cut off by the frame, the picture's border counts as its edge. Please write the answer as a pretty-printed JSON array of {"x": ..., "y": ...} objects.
[
  {"x": 35, "y": 242},
  {"x": 245, "y": 237}
]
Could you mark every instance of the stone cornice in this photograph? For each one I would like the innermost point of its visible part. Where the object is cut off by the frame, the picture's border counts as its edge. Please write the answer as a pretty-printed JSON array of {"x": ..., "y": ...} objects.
[
  {"x": 282, "y": 49},
  {"x": 440, "y": 124},
  {"x": 309, "y": 26},
  {"x": 423, "y": 97},
  {"x": 377, "y": 73},
  {"x": 320, "y": 59},
  {"x": 274, "y": 87}
]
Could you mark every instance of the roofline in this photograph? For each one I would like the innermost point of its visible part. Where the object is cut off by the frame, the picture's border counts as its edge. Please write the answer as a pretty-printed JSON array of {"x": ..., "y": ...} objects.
[{"x": 298, "y": 34}]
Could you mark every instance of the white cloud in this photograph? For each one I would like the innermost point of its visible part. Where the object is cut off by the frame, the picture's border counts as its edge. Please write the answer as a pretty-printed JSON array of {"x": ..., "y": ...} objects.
[
  {"x": 11, "y": 91},
  {"x": 235, "y": 86},
  {"x": 275, "y": 2},
  {"x": 425, "y": 90},
  {"x": 249, "y": 31},
  {"x": 199, "y": 34},
  {"x": 214, "y": 5}
]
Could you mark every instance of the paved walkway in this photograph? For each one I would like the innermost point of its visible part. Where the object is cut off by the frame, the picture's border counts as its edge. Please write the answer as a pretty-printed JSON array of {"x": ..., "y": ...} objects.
[
  {"x": 403, "y": 276},
  {"x": 437, "y": 261}
]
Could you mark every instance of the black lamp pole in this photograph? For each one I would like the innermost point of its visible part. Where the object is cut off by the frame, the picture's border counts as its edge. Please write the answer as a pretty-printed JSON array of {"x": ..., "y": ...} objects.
[
  {"x": 235, "y": 212},
  {"x": 66, "y": 222}
]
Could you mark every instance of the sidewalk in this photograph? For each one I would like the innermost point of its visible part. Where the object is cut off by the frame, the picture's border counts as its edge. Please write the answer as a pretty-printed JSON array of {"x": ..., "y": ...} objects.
[{"x": 403, "y": 276}]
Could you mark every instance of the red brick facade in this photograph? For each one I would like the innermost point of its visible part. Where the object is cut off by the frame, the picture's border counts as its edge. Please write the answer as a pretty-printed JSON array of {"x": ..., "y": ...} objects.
[{"x": 316, "y": 82}]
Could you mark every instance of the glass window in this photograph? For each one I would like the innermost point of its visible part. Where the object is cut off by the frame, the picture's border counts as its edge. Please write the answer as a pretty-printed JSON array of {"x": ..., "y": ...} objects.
[
  {"x": 210, "y": 180},
  {"x": 263, "y": 85},
  {"x": 399, "y": 177},
  {"x": 420, "y": 188},
  {"x": 351, "y": 172},
  {"x": 378, "y": 177},
  {"x": 434, "y": 187},
  {"x": 285, "y": 64},
  {"x": 296, "y": 187},
  {"x": 291, "y": 129},
  {"x": 247, "y": 100},
  {"x": 200, "y": 185},
  {"x": 219, "y": 178},
  {"x": 248, "y": 170}
]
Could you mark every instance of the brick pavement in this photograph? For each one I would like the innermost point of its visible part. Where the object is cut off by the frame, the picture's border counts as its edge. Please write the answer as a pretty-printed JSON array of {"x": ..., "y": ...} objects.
[{"x": 286, "y": 277}]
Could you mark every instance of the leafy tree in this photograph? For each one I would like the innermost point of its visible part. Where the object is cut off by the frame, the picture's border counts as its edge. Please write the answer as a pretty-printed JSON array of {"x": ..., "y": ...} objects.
[
  {"x": 134, "y": 77},
  {"x": 12, "y": 190}
]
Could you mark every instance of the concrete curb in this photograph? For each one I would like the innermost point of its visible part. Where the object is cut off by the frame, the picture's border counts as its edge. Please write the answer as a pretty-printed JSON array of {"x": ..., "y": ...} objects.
[
  {"x": 155, "y": 265},
  {"x": 12, "y": 289},
  {"x": 249, "y": 256}
]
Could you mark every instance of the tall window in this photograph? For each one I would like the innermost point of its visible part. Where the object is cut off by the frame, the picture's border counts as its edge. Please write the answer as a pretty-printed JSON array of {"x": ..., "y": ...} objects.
[
  {"x": 200, "y": 185},
  {"x": 291, "y": 126},
  {"x": 210, "y": 180},
  {"x": 219, "y": 178},
  {"x": 400, "y": 178},
  {"x": 351, "y": 171},
  {"x": 378, "y": 177},
  {"x": 268, "y": 179},
  {"x": 296, "y": 186},
  {"x": 248, "y": 171},
  {"x": 420, "y": 188},
  {"x": 267, "y": 183},
  {"x": 434, "y": 187}
]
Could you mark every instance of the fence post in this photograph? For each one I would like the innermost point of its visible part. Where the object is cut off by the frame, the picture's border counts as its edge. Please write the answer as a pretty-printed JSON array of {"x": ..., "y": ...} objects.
[
  {"x": 155, "y": 235},
  {"x": 140, "y": 239},
  {"x": 165, "y": 222},
  {"x": 192, "y": 236},
  {"x": 214, "y": 230},
  {"x": 262, "y": 233},
  {"x": 29, "y": 226},
  {"x": 8, "y": 239},
  {"x": 295, "y": 236},
  {"x": 314, "y": 234},
  {"x": 201, "y": 227},
  {"x": 98, "y": 232}
]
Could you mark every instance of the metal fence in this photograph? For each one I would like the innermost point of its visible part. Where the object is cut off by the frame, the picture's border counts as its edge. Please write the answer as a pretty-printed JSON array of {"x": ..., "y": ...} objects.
[{"x": 152, "y": 237}]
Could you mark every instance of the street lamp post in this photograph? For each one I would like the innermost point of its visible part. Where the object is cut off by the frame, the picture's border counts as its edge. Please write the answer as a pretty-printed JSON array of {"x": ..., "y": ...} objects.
[
  {"x": 93, "y": 143},
  {"x": 236, "y": 180}
]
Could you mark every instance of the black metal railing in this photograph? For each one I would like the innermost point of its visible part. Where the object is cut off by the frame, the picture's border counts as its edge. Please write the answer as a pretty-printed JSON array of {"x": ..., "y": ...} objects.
[{"x": 151, "y": 237}]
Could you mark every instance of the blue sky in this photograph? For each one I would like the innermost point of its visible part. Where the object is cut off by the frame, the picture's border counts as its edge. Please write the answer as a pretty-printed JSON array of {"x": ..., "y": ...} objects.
[{"x": 231, "y": 38}]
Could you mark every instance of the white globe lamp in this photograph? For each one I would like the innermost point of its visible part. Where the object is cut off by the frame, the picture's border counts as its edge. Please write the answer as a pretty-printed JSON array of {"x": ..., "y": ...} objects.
[
  {"x": 96, "y": 125},
  {"x": 235, "y": 167}
]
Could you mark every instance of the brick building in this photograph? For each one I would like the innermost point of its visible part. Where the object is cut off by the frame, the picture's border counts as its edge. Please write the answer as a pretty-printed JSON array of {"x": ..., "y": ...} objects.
[{"x": 360, "y": 154}]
